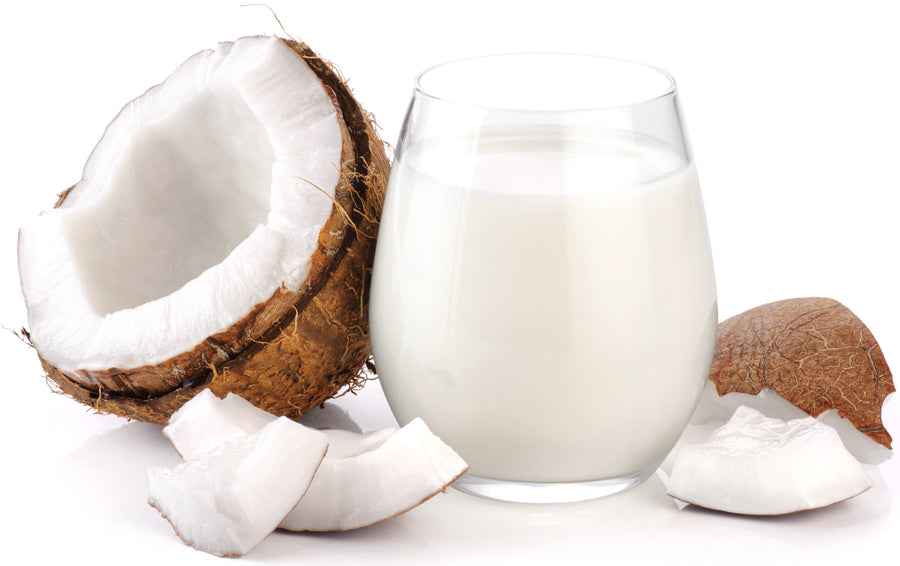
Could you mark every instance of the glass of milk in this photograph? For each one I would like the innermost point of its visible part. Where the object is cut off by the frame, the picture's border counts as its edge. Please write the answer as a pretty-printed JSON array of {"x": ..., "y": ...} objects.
[{"x": 543, "y": 292}]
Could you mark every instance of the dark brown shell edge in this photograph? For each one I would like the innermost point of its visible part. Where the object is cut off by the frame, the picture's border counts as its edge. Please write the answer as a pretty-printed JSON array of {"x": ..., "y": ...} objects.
[{"x": 318, "y": 344}]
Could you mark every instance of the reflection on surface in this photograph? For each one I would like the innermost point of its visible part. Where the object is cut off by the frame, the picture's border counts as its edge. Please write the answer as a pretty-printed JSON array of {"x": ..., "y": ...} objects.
[{"x": 623, "y": 509}]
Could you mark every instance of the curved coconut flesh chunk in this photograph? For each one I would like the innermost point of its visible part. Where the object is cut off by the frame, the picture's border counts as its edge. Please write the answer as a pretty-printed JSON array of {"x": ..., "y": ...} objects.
[
  {"x": 713, "y": 407},
  {"x": 390, "y": 470},
  {"x": 206, "y": 421},
  {"x": 756, "y": 465},
  {"x": 346, "y": 443},
  {"x": 228, "y": 500},
  {"x": 357, "y": 490},
  {"x": 203, "y": 197}
]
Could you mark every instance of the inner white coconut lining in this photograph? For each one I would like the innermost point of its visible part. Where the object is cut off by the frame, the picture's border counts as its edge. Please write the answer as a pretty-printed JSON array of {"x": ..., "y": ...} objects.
[{"x": 136, "y": 266}]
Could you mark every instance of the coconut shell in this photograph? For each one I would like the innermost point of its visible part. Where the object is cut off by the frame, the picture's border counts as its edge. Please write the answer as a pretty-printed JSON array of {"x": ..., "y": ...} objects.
[
  {"x": 298, "y": 348},
  {"x": 813, "y": 352}
]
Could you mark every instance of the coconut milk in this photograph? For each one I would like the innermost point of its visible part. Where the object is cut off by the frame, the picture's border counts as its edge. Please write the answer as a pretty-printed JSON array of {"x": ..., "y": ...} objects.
[{"x": 545, "y": 302}]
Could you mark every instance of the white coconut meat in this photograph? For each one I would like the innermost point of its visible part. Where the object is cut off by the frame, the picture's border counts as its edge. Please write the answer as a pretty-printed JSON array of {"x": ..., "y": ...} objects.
[
  {"x": 364, "y": 485},
  {"x": 715, "y": 407},
  {"x": 227, "y": 500},
  {"x": 206, "y": 421},
  {"x": 202, "y": 198},
  {"x": 755, "y": 465},
  {"x": 364, "y": 479}
]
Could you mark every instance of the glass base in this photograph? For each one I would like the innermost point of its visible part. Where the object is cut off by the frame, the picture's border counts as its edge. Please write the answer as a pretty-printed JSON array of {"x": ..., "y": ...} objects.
[{"x": 532, "y": 492}]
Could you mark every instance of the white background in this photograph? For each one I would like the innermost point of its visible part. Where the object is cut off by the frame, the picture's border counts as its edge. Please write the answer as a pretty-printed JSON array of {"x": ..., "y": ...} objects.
[{"x": 793, "y": 112}]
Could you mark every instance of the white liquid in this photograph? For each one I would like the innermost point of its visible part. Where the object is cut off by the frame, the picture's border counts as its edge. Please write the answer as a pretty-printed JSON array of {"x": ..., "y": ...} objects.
[{"x": 547, "y": 305}]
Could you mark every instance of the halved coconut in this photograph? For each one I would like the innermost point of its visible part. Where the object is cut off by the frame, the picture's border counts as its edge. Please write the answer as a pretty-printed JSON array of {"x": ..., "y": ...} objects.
[
  {"x": 220, "y": 237},
  {"x": 364, "y": 479},
  {"x": 226, "y": 501},
  {"x": 755, "y": 465}
]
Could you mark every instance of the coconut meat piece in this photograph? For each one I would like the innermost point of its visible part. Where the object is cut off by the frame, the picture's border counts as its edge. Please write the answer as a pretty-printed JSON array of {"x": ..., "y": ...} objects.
[
  {"x": 227, "y": 500},
  {"x": 358, "y": 488},
  {"x": 756, "y": 465},
  {"x": 203, "y": 197},
  {"x": 364, "y": 479},
  {"x": 714, "y": 407},
  {"x": 206, "y": 421}
]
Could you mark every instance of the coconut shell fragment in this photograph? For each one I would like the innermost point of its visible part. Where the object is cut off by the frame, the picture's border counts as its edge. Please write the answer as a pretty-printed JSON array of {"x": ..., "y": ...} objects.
[{"x": 813, "y": 352}]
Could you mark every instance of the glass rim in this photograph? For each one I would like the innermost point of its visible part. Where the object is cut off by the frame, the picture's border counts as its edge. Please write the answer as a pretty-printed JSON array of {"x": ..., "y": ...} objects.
[{"x": 670, "y": 88}]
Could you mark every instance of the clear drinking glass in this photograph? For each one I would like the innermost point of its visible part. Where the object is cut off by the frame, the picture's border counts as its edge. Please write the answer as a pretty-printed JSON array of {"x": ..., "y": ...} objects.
[{"x": 543, "y": 292}]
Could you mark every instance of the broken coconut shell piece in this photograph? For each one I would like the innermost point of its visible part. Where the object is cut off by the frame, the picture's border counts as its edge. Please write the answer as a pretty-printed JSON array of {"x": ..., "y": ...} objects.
[
  {"x": 221, "y": 237},
  {"x": 227, "y": 500},
  {"x": 755, "y": 465},
  {"x": 365, "y": 478},
  {"x": 814, "y": 353}
]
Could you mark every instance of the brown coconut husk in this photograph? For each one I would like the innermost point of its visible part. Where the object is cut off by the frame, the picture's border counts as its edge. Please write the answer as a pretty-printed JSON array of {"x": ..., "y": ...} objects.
[{"x": 300, "y": 347}]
